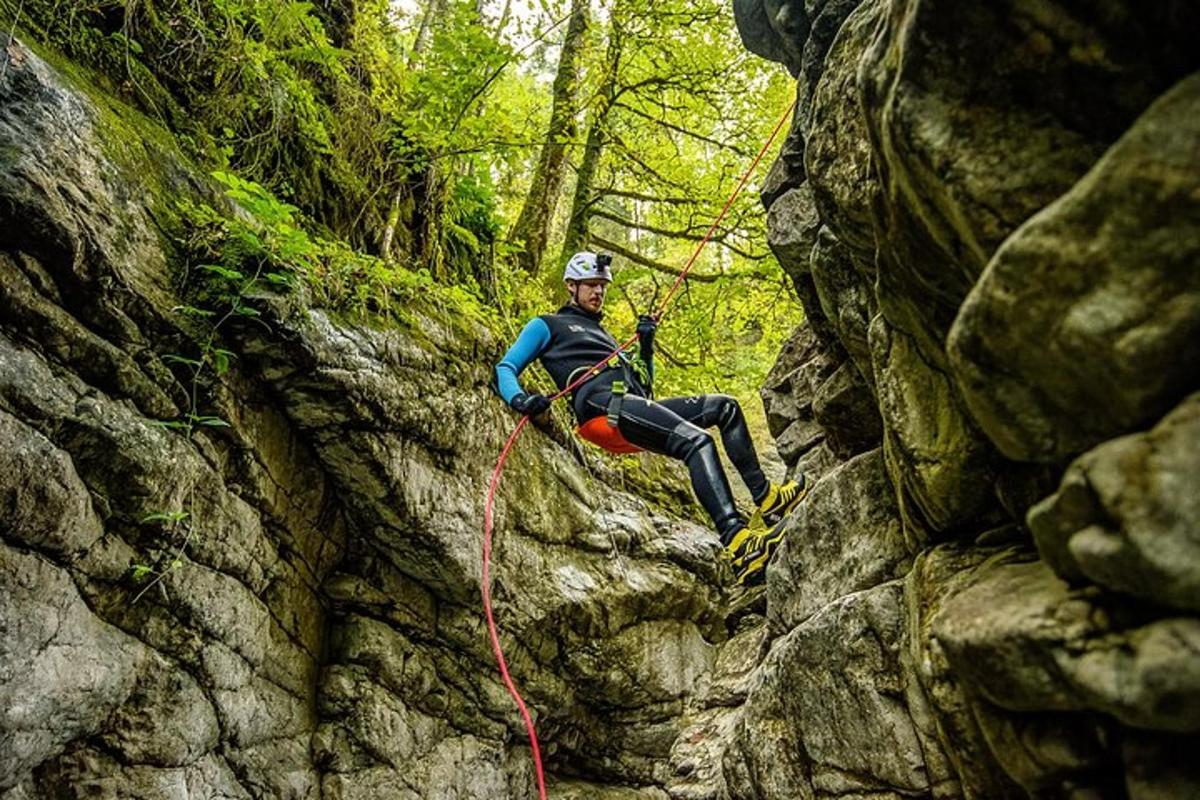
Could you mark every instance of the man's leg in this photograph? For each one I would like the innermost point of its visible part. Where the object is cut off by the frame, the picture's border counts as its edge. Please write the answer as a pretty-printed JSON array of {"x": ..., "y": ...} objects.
[
  {"x": 656, "y": 428},
  {"x": 774, "y": 500},
  {"x": 724, "y": 412}
]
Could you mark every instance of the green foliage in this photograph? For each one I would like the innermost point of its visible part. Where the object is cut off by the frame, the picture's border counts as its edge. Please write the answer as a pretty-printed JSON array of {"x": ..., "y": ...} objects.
[
  {"x": 256, "y": 85},
  {"x": 166, "y": 516},
  {"x": 334, "y": 136},
  {"x": 443, "y": 110},
  {"x": 259, "y": 245},
  {"x": 174, "y": 533}
]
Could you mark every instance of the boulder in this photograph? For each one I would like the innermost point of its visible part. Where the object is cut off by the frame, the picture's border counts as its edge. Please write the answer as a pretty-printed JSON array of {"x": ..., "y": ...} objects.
[
  {"x": 827, "y": 714},
  {"x": 845, "y": 291},
  {"x": 1127, "y": 514},
  {"x": 62, "y": 670},
  {"x": 845, "y": 537},
  {"x": 839, "y": 159},
  {"x": 846, "y": 411},
  {"x": 966, "y": 153},
  {"x": 941, "y": 463},
  {"x": 773, "y": 29},
  {"x": 1021, "y": 638},
  {"x": 1104, "y": 280},
  {"x": 801, "y": 368}
]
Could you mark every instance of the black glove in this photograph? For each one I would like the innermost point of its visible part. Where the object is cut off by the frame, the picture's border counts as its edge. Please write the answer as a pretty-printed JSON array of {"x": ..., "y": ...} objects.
[
  {"x": 646, "y": 327},
  {"x": 530, "y": 404}
]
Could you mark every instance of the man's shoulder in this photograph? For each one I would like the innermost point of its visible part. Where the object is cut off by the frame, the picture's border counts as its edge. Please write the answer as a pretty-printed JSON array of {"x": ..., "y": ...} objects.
[
  {"x": 567, "y": 321},
  {"x": 535, "y": 332},
  {"x": 561, "y": 311},
  {"x": 556, "y": 318}
]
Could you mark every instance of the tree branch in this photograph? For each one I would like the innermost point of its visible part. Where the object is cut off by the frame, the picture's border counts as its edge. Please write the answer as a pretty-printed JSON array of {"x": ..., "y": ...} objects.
[
  {"x": 496, "y": 72},
  {"x": 636, "y": 159},
  {"x": 691, "y": 233},
  {"x": 638, "y": 258},
  {"x": 670, "y": 126},
  {"x": 649, "y": 198},
  {"x": 484, "y": 147},
  {"x": 696, "y": 85},
  {"x": 659, "y": 347}
]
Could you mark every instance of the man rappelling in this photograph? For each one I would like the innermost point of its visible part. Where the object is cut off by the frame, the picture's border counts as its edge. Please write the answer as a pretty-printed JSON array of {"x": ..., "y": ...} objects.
[{"x": 615, "y": 407}]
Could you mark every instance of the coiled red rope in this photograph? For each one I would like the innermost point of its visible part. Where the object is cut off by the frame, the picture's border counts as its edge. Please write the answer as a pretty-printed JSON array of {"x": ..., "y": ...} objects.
[{"x": 493, "y": 632}]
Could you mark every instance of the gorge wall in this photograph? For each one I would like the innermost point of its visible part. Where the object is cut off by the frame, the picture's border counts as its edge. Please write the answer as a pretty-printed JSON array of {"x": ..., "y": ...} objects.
[
  {"x": 992, "y": 216},
  {"x": 311, "y": 626}
]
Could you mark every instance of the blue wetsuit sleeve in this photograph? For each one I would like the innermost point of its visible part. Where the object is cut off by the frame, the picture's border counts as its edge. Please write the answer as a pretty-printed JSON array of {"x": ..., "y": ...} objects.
[{"x": 534, "y": 338}]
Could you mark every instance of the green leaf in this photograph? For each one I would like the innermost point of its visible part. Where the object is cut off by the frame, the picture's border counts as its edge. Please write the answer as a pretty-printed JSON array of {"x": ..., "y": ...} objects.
[
  {"x": 224, "y": 272},
  {"x": 166, "y": 516},
  {"x": 221, "y": 360},
  {"x": 133, "y": 45},
  {"x": 192, "y": 311}
]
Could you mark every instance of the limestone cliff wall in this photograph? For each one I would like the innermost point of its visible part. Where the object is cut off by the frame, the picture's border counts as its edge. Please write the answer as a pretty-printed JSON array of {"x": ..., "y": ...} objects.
[
  {"x": 316, "y": 631},
  {"x": 991, "y": 213}
]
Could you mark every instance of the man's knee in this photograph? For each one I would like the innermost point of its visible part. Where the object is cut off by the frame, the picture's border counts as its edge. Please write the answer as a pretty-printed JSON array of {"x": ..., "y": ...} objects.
[
  {"x": 723, "y": 409},
  {"x": 688, "y": 441}
]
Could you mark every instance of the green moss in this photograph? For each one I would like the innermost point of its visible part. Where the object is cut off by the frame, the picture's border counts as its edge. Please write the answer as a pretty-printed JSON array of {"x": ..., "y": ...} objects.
[
  {"x": 9, "y": 154},
  {"x": 140, "y": 125}
]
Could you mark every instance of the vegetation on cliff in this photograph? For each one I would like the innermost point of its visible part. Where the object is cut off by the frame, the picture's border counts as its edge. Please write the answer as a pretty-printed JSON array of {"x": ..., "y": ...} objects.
[{"x": 464, "y": 146}]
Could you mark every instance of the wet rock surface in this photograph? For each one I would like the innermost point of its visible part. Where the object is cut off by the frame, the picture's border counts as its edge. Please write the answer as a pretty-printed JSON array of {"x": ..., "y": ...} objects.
[
  {"x": 987, "y": 211},
  {"x": 287, "y": 605}
]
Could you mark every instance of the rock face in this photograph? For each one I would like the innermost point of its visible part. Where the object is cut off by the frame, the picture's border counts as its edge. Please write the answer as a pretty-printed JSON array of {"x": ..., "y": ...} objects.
[
  {"x": 989, "y": 212},
  {"x": 287, "y": 606},
  {"x": 1105, "y": 278}
]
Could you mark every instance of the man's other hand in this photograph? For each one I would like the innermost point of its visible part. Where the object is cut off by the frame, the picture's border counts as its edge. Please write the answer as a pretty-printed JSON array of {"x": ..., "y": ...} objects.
[{"x": 530, "y": 404}]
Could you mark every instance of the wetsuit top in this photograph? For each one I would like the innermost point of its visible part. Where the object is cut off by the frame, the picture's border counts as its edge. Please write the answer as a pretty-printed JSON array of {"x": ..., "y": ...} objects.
[{"x": 568, "y": 342}]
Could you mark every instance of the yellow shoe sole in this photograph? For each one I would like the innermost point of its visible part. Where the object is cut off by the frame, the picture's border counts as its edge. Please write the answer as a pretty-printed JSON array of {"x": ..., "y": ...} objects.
[
  {"x": 756, "y": 561},
  {"x": 777, "y": 514}
]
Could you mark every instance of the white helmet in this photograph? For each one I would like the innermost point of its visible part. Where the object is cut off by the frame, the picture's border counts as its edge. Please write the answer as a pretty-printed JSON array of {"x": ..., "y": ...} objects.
[{"x": 588, "y": 267}]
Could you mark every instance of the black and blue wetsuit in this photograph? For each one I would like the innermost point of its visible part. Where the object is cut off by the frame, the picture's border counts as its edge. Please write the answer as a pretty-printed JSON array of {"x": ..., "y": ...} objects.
[{"x": 572, "y": 340}]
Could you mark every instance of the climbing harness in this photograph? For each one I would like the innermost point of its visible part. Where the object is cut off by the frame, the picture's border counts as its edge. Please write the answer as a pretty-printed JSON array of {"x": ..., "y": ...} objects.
[
  {"x": 599, "y": 366},
  {"x": 603, "y": 431},
  {"x": 616, "y": 400},
  {"x": 600, "y": 432}
]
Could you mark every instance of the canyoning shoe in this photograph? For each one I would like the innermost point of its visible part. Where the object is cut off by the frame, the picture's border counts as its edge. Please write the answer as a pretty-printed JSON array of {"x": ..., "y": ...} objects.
[
  {"x": 742, "y": 543},
  {"x": 781, "y": 499},
  {"x": 750, "y": 569}
]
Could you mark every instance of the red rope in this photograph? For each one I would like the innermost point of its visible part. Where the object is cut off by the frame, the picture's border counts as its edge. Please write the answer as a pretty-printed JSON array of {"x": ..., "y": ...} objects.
[
  {"x": 487, "y": 606},
  {"x": 728, "y": 204},
  {"x": 493, "y": 633}
]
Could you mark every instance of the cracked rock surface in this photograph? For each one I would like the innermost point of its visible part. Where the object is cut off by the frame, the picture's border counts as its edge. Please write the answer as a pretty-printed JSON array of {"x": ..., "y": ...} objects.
[{"x": 988, "y": 213}]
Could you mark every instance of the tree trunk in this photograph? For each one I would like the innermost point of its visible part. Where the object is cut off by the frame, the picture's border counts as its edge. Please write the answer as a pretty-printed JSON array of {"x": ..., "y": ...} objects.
[
  {"x": 581, "y": 204},
  {"x": 430, "y": 208},
  {"x": 533, "y": 225},
  {"x": 435, "y": 13},
  {"x": 389, "y": 228}
]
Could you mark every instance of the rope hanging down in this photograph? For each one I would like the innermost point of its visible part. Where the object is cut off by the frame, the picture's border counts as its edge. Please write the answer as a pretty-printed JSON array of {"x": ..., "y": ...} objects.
[{"x": 493, "y": 633}]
